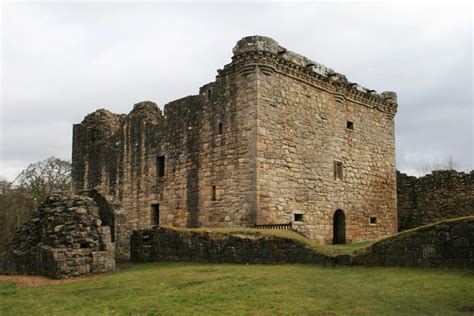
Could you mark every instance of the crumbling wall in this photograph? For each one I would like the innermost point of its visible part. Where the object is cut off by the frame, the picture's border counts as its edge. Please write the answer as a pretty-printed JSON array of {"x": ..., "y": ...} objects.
[
  {"x": 115, "y": 217},
  {"x": 437, "y": 196},
  {"x": 64, "y": 237},
  {"x": 204, "y": 143},
  {"x": 447, "y": 244}
]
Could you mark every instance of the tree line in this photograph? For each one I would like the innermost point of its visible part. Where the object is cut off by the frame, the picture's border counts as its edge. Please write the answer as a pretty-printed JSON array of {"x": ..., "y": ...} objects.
[{"x": 21, "y": 196}]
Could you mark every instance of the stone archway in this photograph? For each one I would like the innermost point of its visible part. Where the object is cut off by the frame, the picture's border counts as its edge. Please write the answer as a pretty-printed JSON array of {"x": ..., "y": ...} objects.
[
  {"x": 339, "y": 228},
  {"x": 106, "y": 211}
]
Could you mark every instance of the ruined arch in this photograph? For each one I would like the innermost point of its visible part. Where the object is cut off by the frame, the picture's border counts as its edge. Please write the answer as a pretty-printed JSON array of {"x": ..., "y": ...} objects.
[
  {"x": 106, "y": 211},
  {"x": 339, "y": 227}
]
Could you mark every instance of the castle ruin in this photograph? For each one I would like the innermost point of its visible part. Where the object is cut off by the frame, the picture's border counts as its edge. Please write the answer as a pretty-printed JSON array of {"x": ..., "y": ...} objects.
[{"x": 276, "y": 139}]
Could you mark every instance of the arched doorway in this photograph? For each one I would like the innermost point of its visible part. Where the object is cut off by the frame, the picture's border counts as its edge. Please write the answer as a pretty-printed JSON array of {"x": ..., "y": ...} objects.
[{"x": 339, "y": 228}]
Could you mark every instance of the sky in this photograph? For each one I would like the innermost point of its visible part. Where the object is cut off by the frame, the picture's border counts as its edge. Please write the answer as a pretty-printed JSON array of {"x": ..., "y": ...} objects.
[{"x": 61, "y": 61}]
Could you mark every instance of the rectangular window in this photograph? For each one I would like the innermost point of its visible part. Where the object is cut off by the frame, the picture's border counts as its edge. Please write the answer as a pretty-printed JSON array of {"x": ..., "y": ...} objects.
[
  {"x": 298, "y": 217},
  {"x": 350, "y": 125},
  {"x": 219, "y": 130},
  {"x": 373, "y": 220},
  {"x": 161, "y": 166},
  {"x": 155, "y": 214},
  {"x": 213, "y": 193},
  {"x": 338, "y": 170}
]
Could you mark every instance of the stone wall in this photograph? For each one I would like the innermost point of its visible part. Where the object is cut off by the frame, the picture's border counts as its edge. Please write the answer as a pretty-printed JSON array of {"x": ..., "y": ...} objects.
[
  {"x": 256, "y": 146},
  {"x": 64, "y": 237},
  {"x": 167, "y": 244},
  {"x": 434, "y": 197},
  {"x": 447, "y": 244}
]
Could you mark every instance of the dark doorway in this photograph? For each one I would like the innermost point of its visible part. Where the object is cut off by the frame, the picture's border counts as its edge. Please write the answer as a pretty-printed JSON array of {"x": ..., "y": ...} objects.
[
  {"x": 155, "y": 214},
  {"x": 339, "y": 228}
]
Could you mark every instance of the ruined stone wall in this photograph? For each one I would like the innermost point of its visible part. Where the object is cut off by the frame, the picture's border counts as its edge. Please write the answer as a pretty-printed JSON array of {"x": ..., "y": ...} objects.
[
  {"x": 165, "y": 244},
  {"x": 64, "y": 237},
  {"x": 447, "y": 244},
  {"x": 434, "y": 197},
  {"x": 309, "y": 117},
  {"x": 208, "y": 148}
]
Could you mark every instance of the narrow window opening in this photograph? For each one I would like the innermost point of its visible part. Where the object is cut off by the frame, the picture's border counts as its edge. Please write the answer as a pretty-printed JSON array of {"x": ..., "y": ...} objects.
[
  {"x": 209, "y": 92},
  {"x": 298, "y": 217},
  {"x": 161, "y": 166},
  {"x": 350, "y": 125},
  {"x": 155, "y": 214},
  {"x": 213, "y": 193},
  {"x": 220, "y": 129},
  {"x": 338, "y": 173},
  {"x": 373, "y": 220}
]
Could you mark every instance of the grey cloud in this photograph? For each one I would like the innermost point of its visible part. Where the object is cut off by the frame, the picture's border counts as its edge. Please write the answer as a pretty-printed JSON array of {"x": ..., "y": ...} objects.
[{"x": 61, "y": 61}]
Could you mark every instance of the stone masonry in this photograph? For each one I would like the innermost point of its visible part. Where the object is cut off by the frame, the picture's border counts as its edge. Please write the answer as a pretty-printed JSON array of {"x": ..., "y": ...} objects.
[
  {"x": 64, "y": 237},
  {"x": 437, "y": 196},
  {"x": 276, "y": 139},
  {"x": 446, "y": 244},
  {"x": 170, "y": 244}
]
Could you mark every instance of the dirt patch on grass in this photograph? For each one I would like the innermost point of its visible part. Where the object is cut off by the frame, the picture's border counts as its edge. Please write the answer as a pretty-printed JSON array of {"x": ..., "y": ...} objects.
[{"x": 34, "y": 281}]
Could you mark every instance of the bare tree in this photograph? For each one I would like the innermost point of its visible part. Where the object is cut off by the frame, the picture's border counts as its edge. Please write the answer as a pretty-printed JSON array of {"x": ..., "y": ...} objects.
[
  {"x": 41, "y": 178},
  {"x": 447, "y": 164}
]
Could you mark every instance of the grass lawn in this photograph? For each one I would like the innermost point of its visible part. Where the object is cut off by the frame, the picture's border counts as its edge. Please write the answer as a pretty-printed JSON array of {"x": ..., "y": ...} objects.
[{"x": 190, "y": 288}]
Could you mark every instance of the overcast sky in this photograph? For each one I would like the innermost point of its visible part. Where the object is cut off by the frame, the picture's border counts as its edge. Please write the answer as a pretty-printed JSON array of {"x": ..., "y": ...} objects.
[{"x": 62, "y": 61}]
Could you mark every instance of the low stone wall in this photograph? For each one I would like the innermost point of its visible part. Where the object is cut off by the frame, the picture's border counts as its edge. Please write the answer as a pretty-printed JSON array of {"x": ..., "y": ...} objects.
[
  {"x": 168, "y": 244},
  {"x": 64, "y": 237},
  {"x": 447, "y": 244}
]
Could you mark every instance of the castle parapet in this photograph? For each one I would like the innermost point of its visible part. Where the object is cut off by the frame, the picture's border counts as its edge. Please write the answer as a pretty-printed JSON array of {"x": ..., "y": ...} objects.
[{"x": 270, "y": 56}]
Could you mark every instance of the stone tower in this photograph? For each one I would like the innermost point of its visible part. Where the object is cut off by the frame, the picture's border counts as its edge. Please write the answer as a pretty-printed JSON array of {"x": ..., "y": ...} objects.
[{"x": 276, "y": 139}]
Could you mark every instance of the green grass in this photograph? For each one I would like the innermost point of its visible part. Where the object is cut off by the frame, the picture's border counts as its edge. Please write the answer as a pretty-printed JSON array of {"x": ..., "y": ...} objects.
[{"x": 189, "y": 288}]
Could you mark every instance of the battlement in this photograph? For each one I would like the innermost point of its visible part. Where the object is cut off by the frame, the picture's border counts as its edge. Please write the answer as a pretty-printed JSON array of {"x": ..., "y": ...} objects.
[{"x": 266, "y": 50}]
